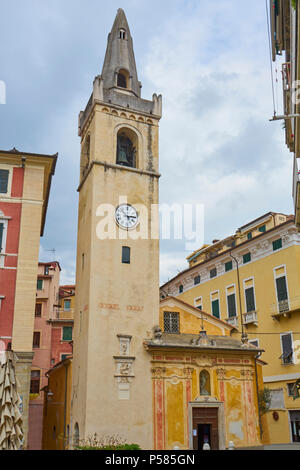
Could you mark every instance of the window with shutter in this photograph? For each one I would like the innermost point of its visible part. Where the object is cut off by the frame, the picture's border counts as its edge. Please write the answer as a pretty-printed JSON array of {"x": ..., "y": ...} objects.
[
  {"x": 247, "y": 258},
  {"x": 36, "y": 339},
  {"x": 277, "y": 244},
  {"x": 250, "y": 301},
  {"x": 67, "y": 333},
  {"x": 35, "y": 381},
  {"x": 4, "y": 181},
  {"x": 262, "y": 229},
  {"x": 197, "y": 280},
  {"x": 38, "y": 310},
  {"x": 67, "y": 305},
  {"x": 281, "y": 289},
  {"x": 39, "y": 284},
  {"x": 213, "y": 273},
  {"x": 215, "y": 308},
  {"x": 1, "y": 237},
  {"x": 287, "y": 348},
  {"x": 228, "y": 266},
  {"x": 282, "y": 294},
  {"x": 231, "y": 306}
]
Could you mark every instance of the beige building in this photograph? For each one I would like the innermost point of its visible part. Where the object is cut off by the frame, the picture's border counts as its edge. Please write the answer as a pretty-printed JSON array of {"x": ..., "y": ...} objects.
[{"x": 117, "y": 280}]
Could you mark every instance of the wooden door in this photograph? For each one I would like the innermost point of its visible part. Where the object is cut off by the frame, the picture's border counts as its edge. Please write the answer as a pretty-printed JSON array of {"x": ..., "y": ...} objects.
[{"x": 205, "y": 428}]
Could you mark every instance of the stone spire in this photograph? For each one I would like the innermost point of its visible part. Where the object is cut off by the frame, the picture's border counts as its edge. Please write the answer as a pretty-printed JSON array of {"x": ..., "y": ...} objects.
[{"x": 119, "y": 58}]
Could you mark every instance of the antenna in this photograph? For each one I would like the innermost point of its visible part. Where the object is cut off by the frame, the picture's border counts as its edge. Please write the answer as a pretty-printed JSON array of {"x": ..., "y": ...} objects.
[{"x": 52, "y": 251}]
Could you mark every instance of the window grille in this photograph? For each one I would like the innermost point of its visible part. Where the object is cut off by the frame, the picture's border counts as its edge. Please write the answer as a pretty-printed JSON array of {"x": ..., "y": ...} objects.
[{"x": 171, "y": 322}]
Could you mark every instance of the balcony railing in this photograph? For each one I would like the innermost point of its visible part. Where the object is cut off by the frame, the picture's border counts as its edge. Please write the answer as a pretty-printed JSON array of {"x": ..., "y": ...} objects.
[
  {"x": 250, "y": 318},
  {"x": 296, "y": 190},
  {"x": 285, "y": 307},
  {"x": 286, "y": 76},
  {"x": 233, "y": 321}
]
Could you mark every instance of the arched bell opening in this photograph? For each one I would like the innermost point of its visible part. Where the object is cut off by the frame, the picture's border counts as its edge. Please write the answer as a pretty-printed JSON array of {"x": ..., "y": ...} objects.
[
  {"x": 123, "y": 80},
  {"x": 85, "y": 156},
  {"x": 127, "y": 148}
]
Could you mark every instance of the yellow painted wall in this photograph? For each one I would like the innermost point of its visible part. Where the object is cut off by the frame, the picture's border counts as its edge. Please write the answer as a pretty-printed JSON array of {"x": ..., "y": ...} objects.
[
  {"x": 240, "y": 399},
  {"x": 191, "y": 320},
  {"x": 58, "y": 406},
  {"x": 269, "y": 328}
]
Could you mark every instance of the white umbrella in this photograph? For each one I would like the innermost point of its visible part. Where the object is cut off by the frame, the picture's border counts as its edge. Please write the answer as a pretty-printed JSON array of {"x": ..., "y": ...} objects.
[{"x": 11, "y": 433}]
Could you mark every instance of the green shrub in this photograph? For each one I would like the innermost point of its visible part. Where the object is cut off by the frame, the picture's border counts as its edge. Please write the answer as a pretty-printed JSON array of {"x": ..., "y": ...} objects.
[
  {"x": 121, "y": 447},
  {"x": 113, "y": 442}
]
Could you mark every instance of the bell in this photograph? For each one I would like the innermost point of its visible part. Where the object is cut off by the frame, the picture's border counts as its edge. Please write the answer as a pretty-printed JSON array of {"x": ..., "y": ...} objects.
[{"x": 122, "y": 157}]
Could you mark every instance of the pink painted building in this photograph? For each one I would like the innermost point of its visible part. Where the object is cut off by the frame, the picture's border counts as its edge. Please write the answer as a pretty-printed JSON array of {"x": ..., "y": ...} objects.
[
  {"x": 52, "y": 340},
  {"x": 47, "y": 308}
]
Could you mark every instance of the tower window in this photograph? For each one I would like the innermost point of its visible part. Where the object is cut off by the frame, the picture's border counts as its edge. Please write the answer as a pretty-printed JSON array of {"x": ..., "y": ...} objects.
[
  {"x": 126, "y": 152},
  {"x": 125, "y": 255},
  {"x": 122, "y": 34},
  {"x": 122, "y": 82}
]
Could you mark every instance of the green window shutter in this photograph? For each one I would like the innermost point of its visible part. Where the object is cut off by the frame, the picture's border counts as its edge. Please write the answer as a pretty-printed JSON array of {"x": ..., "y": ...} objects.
[
  {"x": 180, "y": 289},
  {"x": 40, "y": 284},
  {"x": 4, "y": 181},
  {"x": 1, "y": 236},
  {"x": 287, "y": 348},
  {"x": 67, "y": 333},
  {"x": 231, "y": 305},
  {"x": 249, "y": 236},
  {"x": 262, "y": 229},
  {"x": 64, "y": 356},
  {"x": 215, "y": 308},
  {"x": 282, "y": 293},
  {"x": 277, "y": 244},
  {"x": 247, "y": 258},
  {"x": 228, "y": 266},
  {"x": 213, "y": 273},
  {"x": 250, "y": 301},
  {"x": 197, "y": 280}
]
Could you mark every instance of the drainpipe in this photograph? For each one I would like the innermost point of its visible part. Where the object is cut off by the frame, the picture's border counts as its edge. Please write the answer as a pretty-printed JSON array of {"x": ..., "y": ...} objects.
[
  {"x": 257, "y": 392},
  {"x": 244, "y": 335}
]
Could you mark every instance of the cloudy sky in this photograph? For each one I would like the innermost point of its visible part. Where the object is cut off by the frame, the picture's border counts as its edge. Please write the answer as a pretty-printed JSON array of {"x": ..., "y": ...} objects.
[{"x": 209, "y": 60}]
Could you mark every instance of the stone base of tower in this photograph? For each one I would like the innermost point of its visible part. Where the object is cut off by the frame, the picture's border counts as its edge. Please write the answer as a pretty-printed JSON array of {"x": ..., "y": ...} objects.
[{"x": 116, "y": 407}]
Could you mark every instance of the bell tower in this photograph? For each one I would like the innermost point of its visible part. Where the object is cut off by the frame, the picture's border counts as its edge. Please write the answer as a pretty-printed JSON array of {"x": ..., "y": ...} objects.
[{"x": 117, "y": 272}]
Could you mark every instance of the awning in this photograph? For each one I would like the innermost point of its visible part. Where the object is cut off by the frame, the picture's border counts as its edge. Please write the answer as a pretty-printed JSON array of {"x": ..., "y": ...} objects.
[{"x": 11, "y": 433}]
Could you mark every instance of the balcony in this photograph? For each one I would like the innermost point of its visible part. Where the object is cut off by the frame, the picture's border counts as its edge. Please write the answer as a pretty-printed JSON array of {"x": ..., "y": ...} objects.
[
  {"x": 284, "y": 308},
  {"x": 250, "y": 318},
  {"x": 286, "y": 76},
  {"x": 296, "y": 192},
  {"x": 233, "y": 321}
]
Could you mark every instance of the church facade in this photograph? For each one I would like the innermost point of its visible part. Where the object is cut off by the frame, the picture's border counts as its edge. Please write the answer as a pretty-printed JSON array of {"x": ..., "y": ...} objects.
[{"x": 161, "y": 375}]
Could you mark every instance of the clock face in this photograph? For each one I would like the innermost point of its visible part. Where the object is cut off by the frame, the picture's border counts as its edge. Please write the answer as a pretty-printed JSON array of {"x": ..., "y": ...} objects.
[{"x": 126, "y": 216}]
